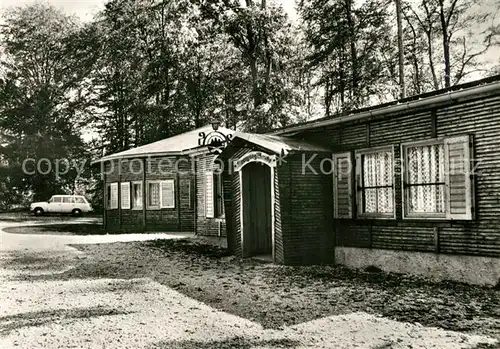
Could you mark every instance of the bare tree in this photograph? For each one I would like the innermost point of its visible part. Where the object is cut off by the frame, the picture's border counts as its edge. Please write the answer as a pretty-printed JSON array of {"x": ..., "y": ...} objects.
[{"x": 446, "y": 25}]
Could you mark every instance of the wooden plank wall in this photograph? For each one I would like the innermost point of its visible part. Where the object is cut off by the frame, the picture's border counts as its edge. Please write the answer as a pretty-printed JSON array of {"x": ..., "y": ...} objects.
[
  {"x": 305, "y": 212},
  {"x": 480, "y": 118},
  {"x": 180, "y": 218},
  {"x": 232, "y": 205},
  {"x": 278, "y": 229},
  {"x": 206, "y": 226}
]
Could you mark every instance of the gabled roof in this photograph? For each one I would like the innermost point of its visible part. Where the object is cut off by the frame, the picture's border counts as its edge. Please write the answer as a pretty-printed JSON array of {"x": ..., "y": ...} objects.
[
  {"x": 277, "y": 144},
  {"x": 176, "y": 145}
]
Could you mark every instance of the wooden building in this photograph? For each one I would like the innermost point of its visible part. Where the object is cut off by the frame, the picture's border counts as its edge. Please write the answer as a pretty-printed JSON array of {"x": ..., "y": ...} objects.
[
  {"x": 167, "y": 186},
  {"x": 413, "y": 186},
  {"x": 274, "y": 210}
]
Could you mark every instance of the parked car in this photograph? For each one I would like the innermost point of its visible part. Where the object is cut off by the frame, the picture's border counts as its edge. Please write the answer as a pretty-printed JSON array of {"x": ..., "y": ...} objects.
[{"x": 74, "y": 204}]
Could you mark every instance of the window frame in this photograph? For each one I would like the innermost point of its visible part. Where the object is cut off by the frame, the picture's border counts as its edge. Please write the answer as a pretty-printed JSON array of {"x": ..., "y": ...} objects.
[
  {"x": 218, "y": 200},
  {"x": 350, "y": 185},
  {"x": 160, "y": 204},
  {"x": 406, "y": 214},
  {"x": 132, "y": 184},
  {"x": 173, "y": 194},
  {"x": 122, "y": 206},
  {"x": 148, "y": 206},
  {"x": 359, "y": 189},
  {"x": 109, "y": 200}
]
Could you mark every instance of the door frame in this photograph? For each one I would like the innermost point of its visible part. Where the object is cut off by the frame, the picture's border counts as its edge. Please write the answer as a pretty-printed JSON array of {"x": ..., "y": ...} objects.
[{"x": 269, "y": 160}]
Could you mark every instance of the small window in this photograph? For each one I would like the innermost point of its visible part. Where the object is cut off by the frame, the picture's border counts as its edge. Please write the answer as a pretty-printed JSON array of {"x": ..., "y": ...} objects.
[
  {"x": 374, "y": 180},
  {"x": 68, "y": 200},
  {"x": 137, "y": 195},
  {"x": 214, "y": 199},
  {"x": 167, "y": 194},
  {"x": 125, "y": 195},
  {"x": 153, "y": 194},
  {"x": 112, "y": 196},
  {"x": 209, "y": 195},
  {"x": 161, "y": 194},
  {"x": 218, "y": 195}
]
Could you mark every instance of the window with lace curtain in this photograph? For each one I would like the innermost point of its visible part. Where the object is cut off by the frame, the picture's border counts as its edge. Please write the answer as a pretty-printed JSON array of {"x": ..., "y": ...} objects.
[
  {"x": 425, "y": 179},
  {"x": 375, "y": 182}
]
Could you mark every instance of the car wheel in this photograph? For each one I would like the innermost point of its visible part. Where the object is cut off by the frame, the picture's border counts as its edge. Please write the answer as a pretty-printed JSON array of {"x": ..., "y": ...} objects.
[
  {"x": 38, "y": 211},
  {"x": 77, "y": 212}
]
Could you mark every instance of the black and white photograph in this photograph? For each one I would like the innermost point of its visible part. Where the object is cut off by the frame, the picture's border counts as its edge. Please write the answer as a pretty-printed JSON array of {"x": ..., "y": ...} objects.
[{"x": 249, "y": 174}]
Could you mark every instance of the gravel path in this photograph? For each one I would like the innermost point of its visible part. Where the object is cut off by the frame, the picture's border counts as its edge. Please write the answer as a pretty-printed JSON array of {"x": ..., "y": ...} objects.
[{"x": 57, "y": 296}]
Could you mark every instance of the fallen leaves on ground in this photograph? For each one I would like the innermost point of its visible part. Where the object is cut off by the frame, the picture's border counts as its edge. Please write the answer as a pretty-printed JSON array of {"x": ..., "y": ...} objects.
[{"x": 276, "y": 295}]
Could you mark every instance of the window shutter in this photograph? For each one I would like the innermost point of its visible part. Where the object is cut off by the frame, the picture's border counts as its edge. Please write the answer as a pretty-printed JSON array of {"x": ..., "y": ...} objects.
[
  {"x": 359, "y": 183},
  {"x": 167, "y": 194},
  {"x": 342, "y": 185},
  {"x": 209, "y": 195},
  {"x": 114, "y": 196},
  {"x": 458, "y": 178},
  {"x": 125, "y": 195}
]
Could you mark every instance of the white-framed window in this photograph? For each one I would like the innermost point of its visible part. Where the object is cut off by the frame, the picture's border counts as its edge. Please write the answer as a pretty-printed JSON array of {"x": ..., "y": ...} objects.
[
  {"x": 218, "y": 195},
  {"x": 167, "y": 194},
  {"x": 153, "y": 194},
  {"x": 125, "y": 195},
  {"x": 137, "y": 200},
  {"x": 214, "y": 197},
  {"x": 112, "y": 196},
  {"x": 437, "y": 181},
  {"x": 209, "y": 195},
  {"x": 375, "y": 182},
  {"x": 342, "y": 185},
  {"x": 160, "y": 194}
]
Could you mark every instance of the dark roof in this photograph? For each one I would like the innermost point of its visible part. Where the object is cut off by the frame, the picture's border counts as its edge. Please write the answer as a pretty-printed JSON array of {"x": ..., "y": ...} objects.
[{"x": 470, "y": 87}]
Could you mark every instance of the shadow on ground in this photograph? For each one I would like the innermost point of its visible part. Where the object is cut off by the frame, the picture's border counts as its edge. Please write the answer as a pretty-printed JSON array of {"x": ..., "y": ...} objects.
[
  {"x": 72, "y": 228},
  {"x": 275, "y": 296},
  {"x": 24, "y": 216},
  {"x": 230, "y": 343},
  {"x": 32, "y": 263},
  {"x": 39, "y": 318}
]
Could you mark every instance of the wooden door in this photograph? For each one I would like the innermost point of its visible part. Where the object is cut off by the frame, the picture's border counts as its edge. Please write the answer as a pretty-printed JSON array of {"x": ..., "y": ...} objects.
[{"x": 256, "y": 191}]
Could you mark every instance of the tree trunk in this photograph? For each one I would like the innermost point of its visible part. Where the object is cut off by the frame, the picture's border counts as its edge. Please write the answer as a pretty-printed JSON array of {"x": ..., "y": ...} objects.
[
  {"x": 400, "y": 49},
  {"x": 446, "y": 43},
  {"x": 353, "y": 53}
]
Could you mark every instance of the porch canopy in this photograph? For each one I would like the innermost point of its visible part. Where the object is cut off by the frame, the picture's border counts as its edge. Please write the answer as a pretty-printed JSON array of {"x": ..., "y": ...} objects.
[{"x": 279, "y": 145}]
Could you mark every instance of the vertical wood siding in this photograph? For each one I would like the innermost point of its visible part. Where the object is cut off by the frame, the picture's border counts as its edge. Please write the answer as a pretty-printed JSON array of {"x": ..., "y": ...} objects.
[
  {"x": 235, "y": 196},
  {"x": 206, "y": 226},
  {"x": 305, "y": 212},
  {"x": 278, "y": 231}
]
